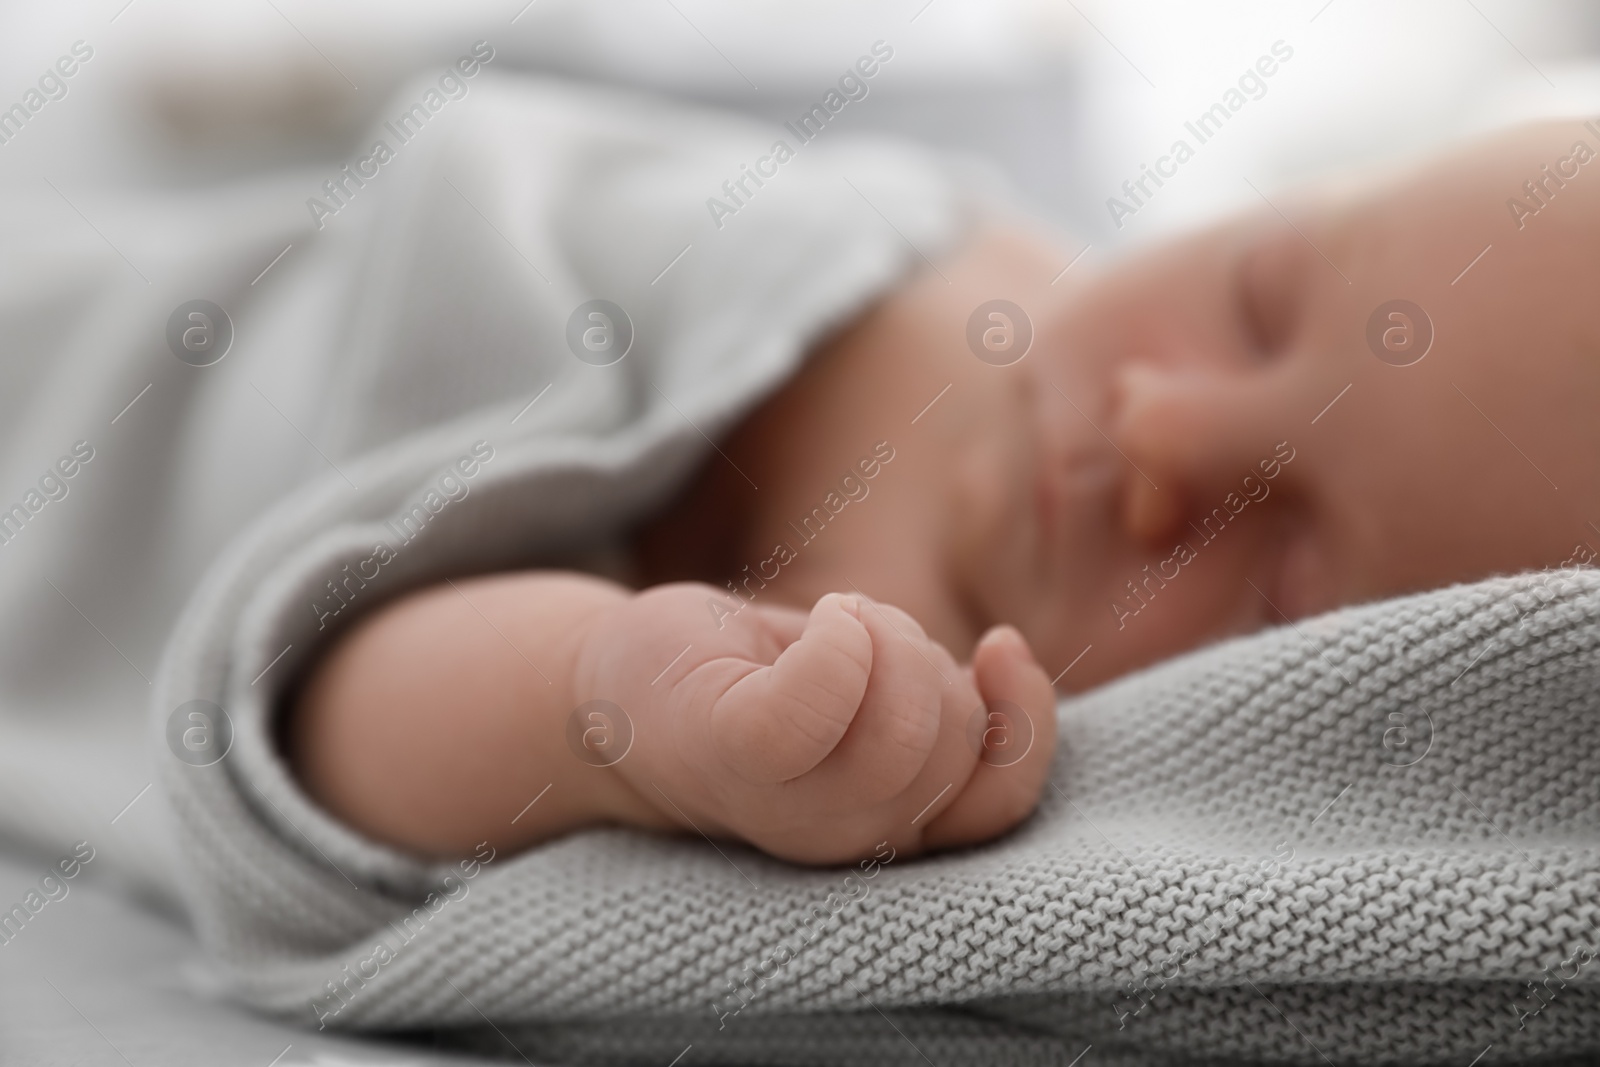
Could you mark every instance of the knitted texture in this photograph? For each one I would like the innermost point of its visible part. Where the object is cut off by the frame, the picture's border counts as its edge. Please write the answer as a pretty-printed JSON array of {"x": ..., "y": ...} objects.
[{"x": 1232, "y": 862}]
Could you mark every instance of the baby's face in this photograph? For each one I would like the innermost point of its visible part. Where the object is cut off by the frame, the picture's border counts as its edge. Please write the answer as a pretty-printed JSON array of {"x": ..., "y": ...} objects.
[{"x": 1220, "y": 437}]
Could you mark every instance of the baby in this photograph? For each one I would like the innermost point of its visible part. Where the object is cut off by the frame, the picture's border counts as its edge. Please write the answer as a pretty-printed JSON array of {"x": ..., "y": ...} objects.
[{"x": 851, "y": 628}]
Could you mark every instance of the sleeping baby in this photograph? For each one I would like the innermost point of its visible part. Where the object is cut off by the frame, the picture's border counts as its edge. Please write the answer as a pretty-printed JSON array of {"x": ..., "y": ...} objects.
[{"x": 994, "y": 484}]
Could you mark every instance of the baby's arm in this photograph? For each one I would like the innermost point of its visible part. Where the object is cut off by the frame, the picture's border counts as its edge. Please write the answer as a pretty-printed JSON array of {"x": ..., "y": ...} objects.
[
  {"x": 435, "y": 721},
  {"x": 814, "y": 736}
]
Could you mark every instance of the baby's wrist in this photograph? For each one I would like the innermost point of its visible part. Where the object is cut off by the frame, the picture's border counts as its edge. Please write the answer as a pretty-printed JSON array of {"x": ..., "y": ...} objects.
[
  {"x": 587, "y": 677},
  {"x": 600, "y": 732}
]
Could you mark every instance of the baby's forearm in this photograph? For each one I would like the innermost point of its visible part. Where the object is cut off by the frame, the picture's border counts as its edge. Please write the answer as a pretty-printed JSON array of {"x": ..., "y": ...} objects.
[{"x": 433, "y": 724}]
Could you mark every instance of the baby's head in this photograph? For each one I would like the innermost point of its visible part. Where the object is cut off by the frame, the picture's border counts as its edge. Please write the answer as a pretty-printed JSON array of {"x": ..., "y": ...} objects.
[{"x": 1368, "y": 392}]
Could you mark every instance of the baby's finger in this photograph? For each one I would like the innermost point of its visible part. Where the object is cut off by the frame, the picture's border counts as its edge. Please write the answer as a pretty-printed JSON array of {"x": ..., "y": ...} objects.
[
  {"x": 779, "y": 722},
  {"x": 897, "y": 728},
  {"x": 1016, "y": 739}
]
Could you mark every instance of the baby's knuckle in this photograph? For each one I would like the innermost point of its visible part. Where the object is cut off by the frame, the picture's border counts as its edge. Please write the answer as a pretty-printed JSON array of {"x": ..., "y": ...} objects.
[
  {"x": 805, "y": 712},
  {"x": 850, "y": 657},
  {"x": 910, "y": 728}
]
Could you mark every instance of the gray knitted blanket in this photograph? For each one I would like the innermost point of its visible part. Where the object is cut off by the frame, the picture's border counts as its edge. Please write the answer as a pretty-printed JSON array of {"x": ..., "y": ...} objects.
[
  {"x": 1374, "y": 836},
  {"x": 1371, "y": 838}
]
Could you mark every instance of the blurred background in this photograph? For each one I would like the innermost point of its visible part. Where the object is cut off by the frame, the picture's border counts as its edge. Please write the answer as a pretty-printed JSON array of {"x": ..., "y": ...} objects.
[{"x": 1067, "y": 97}]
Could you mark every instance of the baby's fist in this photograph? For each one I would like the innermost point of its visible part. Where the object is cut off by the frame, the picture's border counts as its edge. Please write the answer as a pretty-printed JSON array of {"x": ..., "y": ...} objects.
[{"x": 814, "y": 736}]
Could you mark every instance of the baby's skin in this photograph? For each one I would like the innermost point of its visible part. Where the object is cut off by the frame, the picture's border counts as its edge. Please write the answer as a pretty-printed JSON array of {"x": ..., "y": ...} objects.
[{"x": 1199, "y": 442}]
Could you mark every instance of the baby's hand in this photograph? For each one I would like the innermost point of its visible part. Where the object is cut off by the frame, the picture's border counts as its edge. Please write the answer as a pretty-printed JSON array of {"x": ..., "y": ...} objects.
[{"x": 816, "y": 737}]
